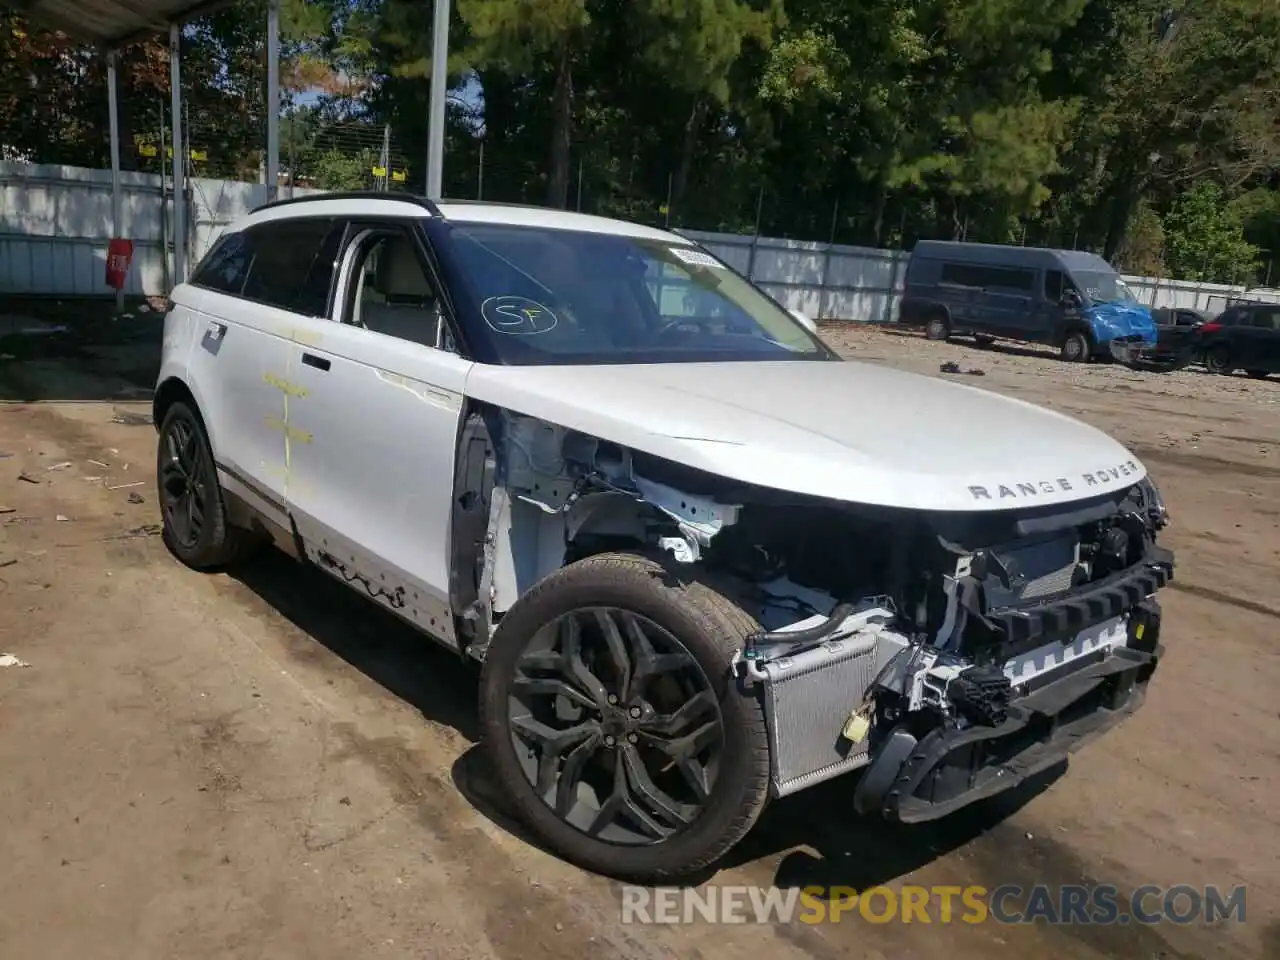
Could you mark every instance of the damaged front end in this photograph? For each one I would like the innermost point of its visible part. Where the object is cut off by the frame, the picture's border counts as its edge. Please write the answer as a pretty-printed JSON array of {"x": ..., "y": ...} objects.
[
  {"x": 992, "y": 647},
  {"x": 952, "y": 655}
]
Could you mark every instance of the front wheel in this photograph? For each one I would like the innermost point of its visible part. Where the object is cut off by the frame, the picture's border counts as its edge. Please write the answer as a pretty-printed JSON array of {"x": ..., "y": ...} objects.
[
  {"x": 1218, "y": 360},
  {"x": 1076, "y": 348},
  {"x": 615, "y": 722}
]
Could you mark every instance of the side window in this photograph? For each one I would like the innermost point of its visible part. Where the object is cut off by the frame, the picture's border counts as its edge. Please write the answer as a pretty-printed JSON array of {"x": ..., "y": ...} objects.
[
  {"x": 988, "y": 278},
  {"x": 284, "y": 253},
  {"x": 225, "y": 267},
  {"x": 313, "y": 300},
  {"x": 392, "y": 294},
  {"x": 961, "y": 275},
  {"x": 1267, "y": 319},
  {"x": 1002, "y": 278},
  {"x": 1055, "y": 285}
]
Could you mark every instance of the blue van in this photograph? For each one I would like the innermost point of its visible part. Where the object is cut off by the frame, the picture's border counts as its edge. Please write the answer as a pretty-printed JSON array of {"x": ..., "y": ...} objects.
[{"x": 1069, "y": 299}]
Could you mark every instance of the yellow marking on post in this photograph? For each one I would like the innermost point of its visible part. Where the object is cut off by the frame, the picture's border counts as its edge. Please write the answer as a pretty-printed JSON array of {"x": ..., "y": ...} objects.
[{"x": 280, "y": 383}]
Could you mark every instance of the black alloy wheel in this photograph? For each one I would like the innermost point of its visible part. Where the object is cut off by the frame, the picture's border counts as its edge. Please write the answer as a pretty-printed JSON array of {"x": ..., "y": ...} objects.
[
  {"x": 192, "y": 507},
  {"x": 183, "y": 487},
  {"x": 616, "y": 727},
  {"x": 616, "y": 723}
]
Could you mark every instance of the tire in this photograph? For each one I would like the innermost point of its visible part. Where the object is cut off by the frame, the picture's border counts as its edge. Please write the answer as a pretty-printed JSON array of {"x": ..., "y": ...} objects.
[
  {"x": 937, "y": 327},
  {"x": 184, "y": 459},
  {"x": 1218, "y": 360},
  {"x": 1076, "y": 348},
  {"x": 700, "y": 629},
  {"x": 1258, "y": 374}
]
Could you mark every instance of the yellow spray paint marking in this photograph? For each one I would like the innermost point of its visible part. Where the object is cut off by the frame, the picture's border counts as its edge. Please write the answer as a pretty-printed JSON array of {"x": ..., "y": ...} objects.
[
  {"x": 432, "y": 395},
  {"x": 290, "y": 433},
  {"x": 289, "y": 389},
  {"x": 308, "y": 338}
]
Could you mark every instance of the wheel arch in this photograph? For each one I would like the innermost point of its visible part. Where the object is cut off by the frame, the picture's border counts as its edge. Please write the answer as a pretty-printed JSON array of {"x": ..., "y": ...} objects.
[
  {"x": 170, "y": 391},
  {"x": 935, "y": 308},
  {"x": 1074, "y": 325},
  {"x": 916, "y": 310},
  {"x": 507, "y": 532}
]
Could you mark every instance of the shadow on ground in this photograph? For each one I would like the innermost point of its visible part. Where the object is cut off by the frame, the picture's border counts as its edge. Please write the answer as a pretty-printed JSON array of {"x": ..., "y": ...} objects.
[
  {"x": 811, "y": 839},
  {"x": 437, "y": 683},
  {"x": 833, "y": 848},
  {"x": 77, "y": 350},
  {"x": 848, "y": 850},
  {"x": 434, "y": 681}
]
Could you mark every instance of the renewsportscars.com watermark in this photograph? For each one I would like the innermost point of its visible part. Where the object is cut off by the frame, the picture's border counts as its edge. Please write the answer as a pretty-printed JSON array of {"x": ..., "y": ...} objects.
[{"x": 1006, "y": 904}]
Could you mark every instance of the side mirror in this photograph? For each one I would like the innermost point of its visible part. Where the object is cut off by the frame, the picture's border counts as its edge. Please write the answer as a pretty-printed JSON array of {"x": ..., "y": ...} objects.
[
  {"x": 1070, "y": 298},
  {"x": 804, "y": 319}
]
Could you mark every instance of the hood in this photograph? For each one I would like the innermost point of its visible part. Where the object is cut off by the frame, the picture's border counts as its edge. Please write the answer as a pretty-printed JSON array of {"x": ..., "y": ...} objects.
[
  {"x": 842, "y": 430},
  {"x": 1111, "y": 320}
]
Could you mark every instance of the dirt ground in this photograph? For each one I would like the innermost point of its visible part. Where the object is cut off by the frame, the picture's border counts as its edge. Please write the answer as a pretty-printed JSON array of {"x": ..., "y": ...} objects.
[{"x": 264, "y": 765}]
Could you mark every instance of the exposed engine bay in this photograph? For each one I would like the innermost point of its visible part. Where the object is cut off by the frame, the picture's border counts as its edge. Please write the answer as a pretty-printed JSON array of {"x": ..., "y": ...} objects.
[{"x": 940, "y": 621}]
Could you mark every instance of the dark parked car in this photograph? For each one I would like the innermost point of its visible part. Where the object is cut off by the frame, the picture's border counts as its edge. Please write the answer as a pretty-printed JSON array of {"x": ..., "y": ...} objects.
[
  {"x": 1173, "y": 349},
  {"x": 1245, "y": 337}
]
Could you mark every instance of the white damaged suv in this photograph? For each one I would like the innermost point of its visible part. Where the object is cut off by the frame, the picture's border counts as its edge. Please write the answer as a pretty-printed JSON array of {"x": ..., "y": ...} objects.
[{"x": 704, "y": 561}]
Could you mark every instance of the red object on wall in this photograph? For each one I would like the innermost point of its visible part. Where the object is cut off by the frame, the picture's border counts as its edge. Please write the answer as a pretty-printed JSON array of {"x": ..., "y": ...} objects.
[{"x": 119, "y": 256}]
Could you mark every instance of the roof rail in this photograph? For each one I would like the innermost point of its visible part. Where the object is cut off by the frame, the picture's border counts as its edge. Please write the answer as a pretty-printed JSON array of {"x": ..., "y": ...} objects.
[
  {"x": 460, "y": 202},
  {"x": 354, "y": 195}
]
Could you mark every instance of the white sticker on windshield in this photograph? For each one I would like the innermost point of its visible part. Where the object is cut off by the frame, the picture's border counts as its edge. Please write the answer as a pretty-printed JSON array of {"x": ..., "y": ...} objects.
[
  {"x": 518, "y": 316},
  {"x": 696, "y": 257}
]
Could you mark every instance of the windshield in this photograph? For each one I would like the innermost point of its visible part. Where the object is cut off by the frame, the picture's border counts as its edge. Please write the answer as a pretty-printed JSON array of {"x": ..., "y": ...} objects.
[
  {"x": 1102, "y": 287},
  {"x": 547, "y": 296}
]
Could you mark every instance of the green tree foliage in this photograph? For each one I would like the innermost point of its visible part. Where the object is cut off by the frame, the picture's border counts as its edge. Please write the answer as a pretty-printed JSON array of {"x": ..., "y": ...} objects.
[
  {"x": 1204, "y": 237},
  {"x": 1147, "y": 130}
]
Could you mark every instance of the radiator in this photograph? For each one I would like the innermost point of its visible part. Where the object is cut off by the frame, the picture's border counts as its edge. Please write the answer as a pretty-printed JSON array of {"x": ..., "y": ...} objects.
[{"x": 809, "y": 696}]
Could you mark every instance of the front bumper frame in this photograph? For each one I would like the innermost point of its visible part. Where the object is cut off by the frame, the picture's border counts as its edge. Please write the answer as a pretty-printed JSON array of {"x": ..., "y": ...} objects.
[
  {"x": 951, "y": 767},
  {"x": 1143, "y": 353}
]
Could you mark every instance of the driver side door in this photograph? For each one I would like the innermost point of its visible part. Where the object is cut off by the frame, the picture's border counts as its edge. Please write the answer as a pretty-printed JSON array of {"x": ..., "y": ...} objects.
[{"x": 374, "y": 435}]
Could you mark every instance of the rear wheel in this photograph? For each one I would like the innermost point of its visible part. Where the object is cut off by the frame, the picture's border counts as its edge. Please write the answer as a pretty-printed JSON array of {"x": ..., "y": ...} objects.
[
  {"x": 193, "y": 512},
  {"x": 1218, "y": 360},
  {"x": 1076, "y": 348},
  {"x": 937, "y": 328},
  {"x": 615, "y": 722}
]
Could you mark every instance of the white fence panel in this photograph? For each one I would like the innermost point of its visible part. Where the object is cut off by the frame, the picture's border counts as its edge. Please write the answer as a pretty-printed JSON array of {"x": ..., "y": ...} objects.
[{"x": 55, "y": 222}]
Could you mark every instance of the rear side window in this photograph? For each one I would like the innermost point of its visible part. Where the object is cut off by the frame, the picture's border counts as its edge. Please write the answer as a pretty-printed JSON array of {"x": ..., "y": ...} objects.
[
  {"x": 225, "y": 267},
  {"x": 988, "y": 278},
  {"x": 1266, "y": 319},
  {"x": 290, "y": 269}
]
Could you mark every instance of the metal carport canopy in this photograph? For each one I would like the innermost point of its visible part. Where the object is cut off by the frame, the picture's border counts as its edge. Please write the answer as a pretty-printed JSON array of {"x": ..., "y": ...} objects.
[{"x": 113, "y": 24}]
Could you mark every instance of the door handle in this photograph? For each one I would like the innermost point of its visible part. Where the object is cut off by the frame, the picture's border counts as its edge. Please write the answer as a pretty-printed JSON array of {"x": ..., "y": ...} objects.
[{"x": 311, "y": 360}]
